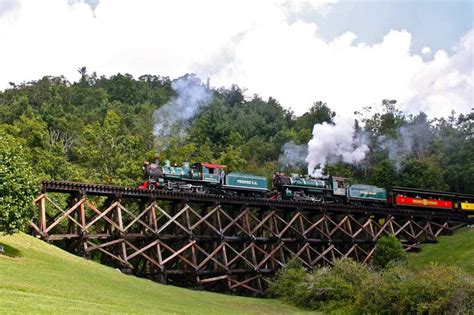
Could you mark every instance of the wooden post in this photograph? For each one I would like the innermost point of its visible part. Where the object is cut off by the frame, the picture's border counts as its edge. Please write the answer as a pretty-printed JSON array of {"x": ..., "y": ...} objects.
[{"x": 42, "y": 215}]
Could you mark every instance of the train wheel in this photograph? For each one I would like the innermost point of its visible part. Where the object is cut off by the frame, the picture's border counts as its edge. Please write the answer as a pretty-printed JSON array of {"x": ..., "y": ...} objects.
[
  {"x": 202, "y": 190},
  {"x": 319, "y": 199},
  {"x": 151, "y": 186}
]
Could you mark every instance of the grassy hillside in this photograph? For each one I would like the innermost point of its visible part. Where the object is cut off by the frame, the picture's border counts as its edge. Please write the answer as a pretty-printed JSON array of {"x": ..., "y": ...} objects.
[
  {"x": 36, "y": 277},
  {"x": 454, "y": 250}
]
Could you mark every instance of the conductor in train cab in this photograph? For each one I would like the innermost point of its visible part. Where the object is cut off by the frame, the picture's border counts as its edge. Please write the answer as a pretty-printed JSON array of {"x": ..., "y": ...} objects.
[
  {"x": 156, "y": 160},
  {"x": 146, "y": 170},
  {"x": 222, "y": 177}
]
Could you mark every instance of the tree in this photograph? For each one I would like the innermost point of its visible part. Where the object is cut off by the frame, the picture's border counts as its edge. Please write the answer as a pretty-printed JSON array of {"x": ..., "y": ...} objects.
[
  {"x": 110, "y": 152},
  {"x": 422, "y": 173},
  {"x": 388, "y": 249},
  {"x": 319, "y": 113},
  {"x": 232, "y": 158},
  {"x": 17, "y": 186}
]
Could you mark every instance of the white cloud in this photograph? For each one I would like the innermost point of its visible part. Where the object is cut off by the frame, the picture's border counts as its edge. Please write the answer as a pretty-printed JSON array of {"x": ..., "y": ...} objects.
[
  {"x": 426, "y": 51},
  {"x": 252, "y": 43}
]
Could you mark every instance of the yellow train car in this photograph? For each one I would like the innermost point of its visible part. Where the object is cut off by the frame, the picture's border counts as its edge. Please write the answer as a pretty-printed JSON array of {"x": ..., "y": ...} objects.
[
  {"x": 465, "y": 203},
  {"x": 466, "y": 206}
]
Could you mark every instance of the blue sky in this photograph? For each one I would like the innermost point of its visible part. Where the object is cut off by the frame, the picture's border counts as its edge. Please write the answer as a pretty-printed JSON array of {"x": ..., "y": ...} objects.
[
  {"x": 348, "y": 54},
  {"x": 435, "y": 24}
]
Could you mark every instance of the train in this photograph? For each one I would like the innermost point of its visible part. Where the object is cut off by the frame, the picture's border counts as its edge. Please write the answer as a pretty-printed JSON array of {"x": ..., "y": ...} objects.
[
  {"x": 203, "y": 177},
  {"x": 211, "y": 178}
]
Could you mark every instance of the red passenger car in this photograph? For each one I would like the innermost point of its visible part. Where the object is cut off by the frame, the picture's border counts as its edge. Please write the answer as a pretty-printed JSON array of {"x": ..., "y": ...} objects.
[{"x": 412, "y": 197}]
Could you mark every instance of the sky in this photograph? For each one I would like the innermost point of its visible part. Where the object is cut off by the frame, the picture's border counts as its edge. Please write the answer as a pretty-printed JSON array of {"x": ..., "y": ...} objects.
[{"x": 348, "y": 54}]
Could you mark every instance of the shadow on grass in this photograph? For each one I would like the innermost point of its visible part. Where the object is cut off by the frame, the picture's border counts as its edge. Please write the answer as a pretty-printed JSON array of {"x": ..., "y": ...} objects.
[{"x": 10, "y": 251}]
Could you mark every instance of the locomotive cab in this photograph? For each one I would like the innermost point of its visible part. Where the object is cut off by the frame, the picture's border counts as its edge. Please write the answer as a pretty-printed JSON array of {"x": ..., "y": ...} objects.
[
  {"x": 207, "y": 172},
  {"x": 339, "y": 185}
]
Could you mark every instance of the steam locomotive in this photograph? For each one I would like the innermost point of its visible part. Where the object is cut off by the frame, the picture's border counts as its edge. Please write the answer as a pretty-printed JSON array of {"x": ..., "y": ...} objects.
[
  {"x": 209, "y": 178},
  {"x": 203, "y": 177}
]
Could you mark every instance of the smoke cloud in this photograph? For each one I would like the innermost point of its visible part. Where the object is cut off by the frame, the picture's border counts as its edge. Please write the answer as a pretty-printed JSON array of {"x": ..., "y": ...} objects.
[
  {"x": 412, "y": 139},
  {"x": 191, "y": 96},
  {"x": 338, "y": 142},
  {"x": 293, "y": 155}
]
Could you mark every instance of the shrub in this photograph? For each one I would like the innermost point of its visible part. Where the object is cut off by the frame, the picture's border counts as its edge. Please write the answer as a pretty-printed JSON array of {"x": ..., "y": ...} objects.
[
  {"x": 388, "y": 250},
  {"x": 288, "y": 281},
  {"x": 326, "y": 290},
  {"x": 17, "y": 186},
  {"x": 436, "y": 290},
  {"x": 351, "y": 271},
  {"x": 439, "y": 290},
  {"x": 353, "y": 287},
  {"x": 381, "y": 292}
]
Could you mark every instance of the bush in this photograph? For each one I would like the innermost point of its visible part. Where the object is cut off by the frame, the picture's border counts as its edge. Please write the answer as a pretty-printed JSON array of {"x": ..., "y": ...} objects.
[
  {"x": 289, "y": 280},
  {"x": 351, "y": 271},
  {"x": 381, "y": 292},
  {"x": 388, "y": 250},
  {"x": 436, "y": 290},
  {"x": 352, "y": 287},
  {"x": 17, "y": 186},
  {"x": 326, "y": 290}
]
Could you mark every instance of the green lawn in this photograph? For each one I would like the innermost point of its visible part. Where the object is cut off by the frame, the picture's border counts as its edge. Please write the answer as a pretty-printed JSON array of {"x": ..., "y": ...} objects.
[
  {"x": 36, "y": 277},
  {"x": 454, "y": 250}
]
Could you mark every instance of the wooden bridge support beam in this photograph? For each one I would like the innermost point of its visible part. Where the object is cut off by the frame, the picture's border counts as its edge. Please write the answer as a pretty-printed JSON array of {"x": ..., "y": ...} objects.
[{"x": 219, "y": 246}]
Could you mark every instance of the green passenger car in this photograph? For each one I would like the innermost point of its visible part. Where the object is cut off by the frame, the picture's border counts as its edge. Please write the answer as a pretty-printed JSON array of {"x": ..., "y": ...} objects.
[
  {"x": 367, "y": 192},
  {"x": 245, "y": 181}
]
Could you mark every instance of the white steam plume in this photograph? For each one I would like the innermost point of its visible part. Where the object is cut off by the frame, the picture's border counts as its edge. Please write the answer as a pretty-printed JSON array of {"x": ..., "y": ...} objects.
[
  {"x": 293, "y": 155},
  {"x": 191, "y": 96},
  {"x": 331, "y": 143}
]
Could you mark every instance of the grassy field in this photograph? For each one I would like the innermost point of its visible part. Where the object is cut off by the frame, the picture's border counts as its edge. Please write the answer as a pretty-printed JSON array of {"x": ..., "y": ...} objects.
[
  {"x": 454, "y": 250},
  {"x": 36, "y": 277}
]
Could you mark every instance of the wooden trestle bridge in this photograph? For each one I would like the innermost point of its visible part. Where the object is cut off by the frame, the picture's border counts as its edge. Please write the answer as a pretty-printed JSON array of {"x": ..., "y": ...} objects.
[{"x": 230, "y": 244}]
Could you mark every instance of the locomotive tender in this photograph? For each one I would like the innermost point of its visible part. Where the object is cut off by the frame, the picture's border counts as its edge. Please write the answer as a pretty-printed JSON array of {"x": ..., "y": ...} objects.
[{"x": 211, "y": 178}]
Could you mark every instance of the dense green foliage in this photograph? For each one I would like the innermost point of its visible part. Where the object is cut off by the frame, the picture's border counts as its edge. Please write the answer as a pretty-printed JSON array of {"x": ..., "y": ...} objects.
[
  {"x": 388, "y": 250},
  {"x": 17, "y": 186},
  {"x": 434, "y": 290},
  {"x": 351, "y": 287},
  {"x": 100, "y": 129},
  {"x": 39, "y": 278}
]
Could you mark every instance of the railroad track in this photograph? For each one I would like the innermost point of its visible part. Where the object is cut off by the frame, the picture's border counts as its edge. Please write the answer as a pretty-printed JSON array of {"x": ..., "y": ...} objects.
[{"x": 137, "y": 193}]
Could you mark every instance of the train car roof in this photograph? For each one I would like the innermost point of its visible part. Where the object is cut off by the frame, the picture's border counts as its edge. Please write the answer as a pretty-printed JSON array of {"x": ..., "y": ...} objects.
[
  {"x": 211, "y": 165},
  {"x": 423, "y": 191},
  {"x": 339, "y": 177},
  {"x": 466, "y": 196}
]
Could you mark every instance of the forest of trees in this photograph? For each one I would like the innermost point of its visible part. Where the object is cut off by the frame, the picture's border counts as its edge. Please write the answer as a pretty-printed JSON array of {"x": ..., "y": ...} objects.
[{"x": 100, "y": 129}]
